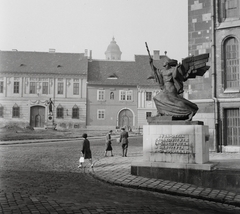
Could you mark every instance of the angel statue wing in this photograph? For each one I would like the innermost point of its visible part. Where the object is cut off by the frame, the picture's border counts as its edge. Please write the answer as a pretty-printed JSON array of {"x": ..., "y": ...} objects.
[
  {"x": 193, "y": 66},
  {"x": 189, "y": 68}
]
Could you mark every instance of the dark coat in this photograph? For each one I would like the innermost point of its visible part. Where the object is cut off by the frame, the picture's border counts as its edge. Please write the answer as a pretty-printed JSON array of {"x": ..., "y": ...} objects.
[
  {"x": 124, "y": 137},
  {"x": 86, "y": 149},
  {"x": 108, "y": 142}
]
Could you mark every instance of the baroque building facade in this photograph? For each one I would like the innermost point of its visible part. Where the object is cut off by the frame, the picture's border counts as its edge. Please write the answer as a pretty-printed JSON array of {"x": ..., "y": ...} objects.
[
  {"x": 214, "y": 27},
  {"x": 43, "y": 88},
  {"x": 119, "y": 92}
]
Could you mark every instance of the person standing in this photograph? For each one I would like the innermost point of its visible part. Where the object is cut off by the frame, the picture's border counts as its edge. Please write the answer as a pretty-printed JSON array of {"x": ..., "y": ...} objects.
[
  {"x": 124, "y": 141},
  {"x": 86, "y": 151},
  {"x": 108, "y": 143}
]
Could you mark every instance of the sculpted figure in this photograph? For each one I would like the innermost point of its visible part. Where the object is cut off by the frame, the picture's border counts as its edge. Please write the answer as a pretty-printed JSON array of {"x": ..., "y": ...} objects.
[
  {"x": 50, "y": 105},
  {"x": 169, "y": 101}
]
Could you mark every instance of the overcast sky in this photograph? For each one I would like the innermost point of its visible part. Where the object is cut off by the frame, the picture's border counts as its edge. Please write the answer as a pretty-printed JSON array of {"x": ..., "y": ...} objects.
[{"x": 75, "y": 25}]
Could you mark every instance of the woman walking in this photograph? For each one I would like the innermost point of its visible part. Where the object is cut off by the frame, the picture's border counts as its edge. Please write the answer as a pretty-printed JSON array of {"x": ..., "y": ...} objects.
[
  {"x": 108, "y": 143},
  {"x": 86, "y": 151}
]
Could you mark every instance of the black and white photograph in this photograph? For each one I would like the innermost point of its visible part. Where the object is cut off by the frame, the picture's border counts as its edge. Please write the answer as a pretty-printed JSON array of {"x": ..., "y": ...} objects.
[{"x": 120, "y": 106}]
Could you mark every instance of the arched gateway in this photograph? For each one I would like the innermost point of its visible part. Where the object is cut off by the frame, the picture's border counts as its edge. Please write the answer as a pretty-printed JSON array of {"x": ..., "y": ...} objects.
[{"x": 125, "y": 119}]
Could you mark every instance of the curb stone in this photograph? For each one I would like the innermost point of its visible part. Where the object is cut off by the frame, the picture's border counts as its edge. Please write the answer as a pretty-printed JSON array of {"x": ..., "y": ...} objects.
[{"x": 163, "y": 186}]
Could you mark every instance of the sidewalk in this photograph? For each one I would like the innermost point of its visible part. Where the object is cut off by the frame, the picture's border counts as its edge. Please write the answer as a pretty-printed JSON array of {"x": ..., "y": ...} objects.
[
  {"x": 11, "y": 142},
  {"x": 117, "y": 170}
]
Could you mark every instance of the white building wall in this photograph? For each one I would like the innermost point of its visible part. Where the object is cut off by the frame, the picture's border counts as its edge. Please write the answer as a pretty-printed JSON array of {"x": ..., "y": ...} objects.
[
  {"x": 145, "y": 106},
  {"x": 25, "y": 100}
]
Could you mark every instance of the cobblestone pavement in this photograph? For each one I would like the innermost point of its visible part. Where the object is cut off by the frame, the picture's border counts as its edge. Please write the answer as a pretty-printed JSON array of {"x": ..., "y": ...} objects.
[{"x": 44, "y": 178}]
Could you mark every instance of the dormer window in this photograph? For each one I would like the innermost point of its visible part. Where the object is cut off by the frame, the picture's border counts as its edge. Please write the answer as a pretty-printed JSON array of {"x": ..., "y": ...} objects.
[{"x": 112, "y": 77}]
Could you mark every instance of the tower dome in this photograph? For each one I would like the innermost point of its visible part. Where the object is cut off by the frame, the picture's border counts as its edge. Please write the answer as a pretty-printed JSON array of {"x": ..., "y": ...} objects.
[{"x": 113, "y": 51}]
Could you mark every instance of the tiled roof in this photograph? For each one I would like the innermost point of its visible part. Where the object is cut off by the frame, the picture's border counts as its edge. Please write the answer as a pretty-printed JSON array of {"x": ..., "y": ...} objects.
[
  {"x": 144, "y": 69},
  {"x": 102, "y": 72},
  {"x": 106, "y": 72},
  {"x": 43, "y": 62}
]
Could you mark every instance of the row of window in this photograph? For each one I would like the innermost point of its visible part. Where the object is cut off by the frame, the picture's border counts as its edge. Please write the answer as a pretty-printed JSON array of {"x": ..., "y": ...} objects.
[
  {"x": 33, "y": 87},
  {"x": 124, "y": 95},
  {"x": 101, "y": 114},
  {"x": 59, "y": 112},
  {"x": 15, "y": 111}
]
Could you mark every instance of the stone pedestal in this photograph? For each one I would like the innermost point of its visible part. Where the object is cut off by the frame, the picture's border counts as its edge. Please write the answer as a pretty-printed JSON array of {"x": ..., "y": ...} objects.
[
  {"x": 174, "y": 150},
  {"x": 176, "y": 143},
  {"x": 50, "y": 124},
  {"x": 178, "y": 151}
]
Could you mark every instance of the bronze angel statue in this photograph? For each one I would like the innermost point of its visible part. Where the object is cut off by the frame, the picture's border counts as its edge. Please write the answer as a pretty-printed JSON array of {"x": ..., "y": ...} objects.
[{"x": 169, "y": 101}]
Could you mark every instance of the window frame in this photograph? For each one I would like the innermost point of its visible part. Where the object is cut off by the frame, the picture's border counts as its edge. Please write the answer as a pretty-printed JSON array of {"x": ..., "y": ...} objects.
[
  {"x": 45, "y": 87},
  {"x": 1, "y": 111},
  {"x": 102, "y": 113},
  {"x": 60, "y": 88},
  {"x": 31, "y": 87},
  {"x": 75, "y": 112},
  {"x": 148, "y": 93},
  {"x": 60, "y": 112},
  {"x": 76, "y": 89},
  {"x": 15, "y": 111},
  {"x": 1, "y": 87},
  {"x": 16, "y": 87},
  {"x": 231, "y": 123},
  {"x": 148, "y": 113},
  {"x": 224, "y": 11},
  {"x": 231, "y": 66},
  {"x": 229, "y": 10},
  {"x": 124, "y": 95},
  {"x": 101, "y": 95}
]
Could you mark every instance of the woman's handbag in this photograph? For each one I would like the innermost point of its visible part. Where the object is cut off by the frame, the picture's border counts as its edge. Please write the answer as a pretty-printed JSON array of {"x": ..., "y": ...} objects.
[{"x": 81, "y": 160}]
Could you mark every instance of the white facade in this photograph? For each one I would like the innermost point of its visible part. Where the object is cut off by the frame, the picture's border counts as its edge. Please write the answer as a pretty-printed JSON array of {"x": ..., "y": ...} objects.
[{"x": 26, "y": 89}]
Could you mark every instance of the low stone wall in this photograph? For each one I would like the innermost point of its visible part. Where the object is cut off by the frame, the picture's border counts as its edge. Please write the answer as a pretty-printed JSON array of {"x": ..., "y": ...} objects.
[{"x": 222, "y": 179}]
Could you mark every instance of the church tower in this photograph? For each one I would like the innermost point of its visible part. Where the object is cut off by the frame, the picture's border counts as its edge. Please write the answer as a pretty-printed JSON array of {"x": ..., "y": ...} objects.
[{"x": 113, "y": 51}]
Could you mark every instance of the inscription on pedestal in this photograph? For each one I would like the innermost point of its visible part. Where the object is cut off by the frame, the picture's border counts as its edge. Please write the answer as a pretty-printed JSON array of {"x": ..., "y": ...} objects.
[{"x": 173, "y": 144}]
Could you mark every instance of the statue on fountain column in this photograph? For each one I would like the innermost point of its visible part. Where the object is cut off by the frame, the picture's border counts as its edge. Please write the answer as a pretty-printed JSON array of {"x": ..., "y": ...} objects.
[{"x": 50, "y": 106}]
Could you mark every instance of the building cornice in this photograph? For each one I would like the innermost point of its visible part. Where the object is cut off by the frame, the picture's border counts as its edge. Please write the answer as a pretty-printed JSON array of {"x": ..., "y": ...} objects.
[{"x": 47, "y": 75}]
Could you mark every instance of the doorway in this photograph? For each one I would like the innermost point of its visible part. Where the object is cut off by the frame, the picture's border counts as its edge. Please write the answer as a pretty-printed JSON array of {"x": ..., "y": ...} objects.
[
  {"x": 37, "y": 116},
  {"x": 232, "y": 127},
  {"x": 126, "y": 119}
]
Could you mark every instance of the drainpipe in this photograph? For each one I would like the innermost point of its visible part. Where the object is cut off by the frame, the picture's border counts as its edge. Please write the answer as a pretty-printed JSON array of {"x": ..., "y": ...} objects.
[
  {"x": 214, "y": 83},
  {"x": 54, "y": 85}
]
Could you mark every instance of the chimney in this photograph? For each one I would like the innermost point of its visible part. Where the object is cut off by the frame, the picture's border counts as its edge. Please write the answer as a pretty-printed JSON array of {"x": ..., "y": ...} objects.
[
  {"x": 156, "y": 55},
  {"x": 52, "y": 50},
  {"x": 90, "y": 56},
  {"x": 86, "y": 52}
]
